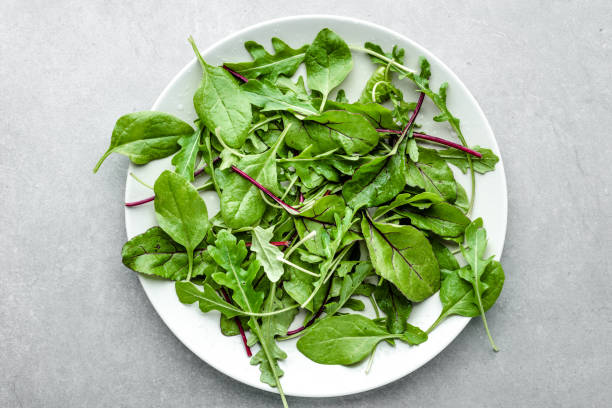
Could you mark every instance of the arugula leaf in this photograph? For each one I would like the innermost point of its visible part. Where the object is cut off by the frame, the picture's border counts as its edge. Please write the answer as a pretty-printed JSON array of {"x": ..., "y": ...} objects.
[
  {"x": 395, "y": 305},
  {"x": 185, "y": 160},
  {"x": 431, "y": 173},
  {"x": 396, "y": 55},
  {"x": 343, "y": 340},
  {"x": 402, "y": 255},
  {"x": 155, "y": 253},
  {"x": 442, "y": 219},
  {"x": 350, "y": 131},
  {"x": 267, "y": 254},
  {"x": 145, "y": 136},
  {"x": 458, "y": 158},
  {"x": 207, "y": 299},
  {"x": 220, "y": 104},
  {"x": 268, "y": 97},
  {"x": 181, "y": 212},
  {"x": 473, "y": 252},
  {"x": 230, "y": 255},
  {"x": 328, "y": 61},
  {"x": 284, "y": 61},
  {"x": 298, "y": 88},
  {"x": 378, "y": 181}
]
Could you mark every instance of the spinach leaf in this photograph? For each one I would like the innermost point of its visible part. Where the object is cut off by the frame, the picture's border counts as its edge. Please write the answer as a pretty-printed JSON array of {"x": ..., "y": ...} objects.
[
  {"x": 185, "y": 160},
  {"x": 284, "y": 61},
  {"x": 442, "y": 219},
  {"x": 445, "y": 258},
  {"x": 343, "y": 340},
  {"x": 146, "y": 136},
  {"x": 350, "y": 131},
  {"x": 431, "y": 173},
  {"x": 458, "y": 158},
  {"x": 402, "y": 255},
  {"x": 378, "y": 181},
  {"x": 377, "y": 115},
  {"x": 267, "y": 254},
  {"x": 220, "y": 104},
  {"x": 421, "y": 201},
  {"x": 325, "y": 209},
  {"x": 413, "y": 335},
  {"x": 268, "y": 97},
  {"x": 378, "y": 84},
  {"x": 181, "y": 212},
  {"x": 328, "y": 61},
  {"x": 155, "y": 253},
  {"x": 350, "y": 283},
  {"x": 395, "y": 305}
]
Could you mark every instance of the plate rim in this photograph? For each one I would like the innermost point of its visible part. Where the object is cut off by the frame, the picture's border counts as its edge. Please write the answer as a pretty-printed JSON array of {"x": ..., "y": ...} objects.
[{"x": 500, "y": 168}]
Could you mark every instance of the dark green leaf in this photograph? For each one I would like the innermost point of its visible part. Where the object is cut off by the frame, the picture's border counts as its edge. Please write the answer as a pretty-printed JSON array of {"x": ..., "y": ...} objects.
[
  {"x": 442, "y": 219},
  {"x": 431, "y": 173},
  {"x": 458, "y": 158},
  {"x": 207, "y": 299},
  {"x": 395, "y": 305}
]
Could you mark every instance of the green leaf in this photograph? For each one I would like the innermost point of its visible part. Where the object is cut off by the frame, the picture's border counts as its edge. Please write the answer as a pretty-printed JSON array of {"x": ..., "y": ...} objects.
[
  {"x": 155, "y": 253},
  {"x": 331, "y": 130},
  {"x": 343, "y": 340},
  {"x": 220, "y": 104},
  {"x": 395, "y": 305},
  {"x": 458, "y": 158},
  {"x": 378, "y": 116},
  {"x": 328, "y": 61},
  {"x": 350, "y": 283},
  {"x": 268, "y": 97},
  {"x": 241, "y": 201},
  {"x": 298, "y": 88},
  {"x": 413, "y": 335},
  {"x": 284, "y": 61},
  {"x": 378, "y": 181},
  {"x": 181, "y": 212},
  {"x": 267, "y": 254},
  {"x": 341, "y": 97},
  {"x": 462, "y": 202},
  {"x": 230, "y": 255},
  {"x": 445, "y": 258},
  {"x": 207, "y": 299},
  {"x": 383, "y": 88},
  {"x": 184, "y": 161},
  {"x": 146, "y": 136},
  {"x": 325, "y": 208},
  {"x": 431, "y": 173},
  {"x": 402, "y": 255},
  {"x": 397, "y": 55},
  {"x": 299, "y": 286},
  {"x": 421, "y": 201},
  {"x": 442, "y": 219}
]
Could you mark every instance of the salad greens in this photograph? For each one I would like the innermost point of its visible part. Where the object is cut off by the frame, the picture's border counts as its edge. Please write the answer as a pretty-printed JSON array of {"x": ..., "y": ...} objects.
[{"x": 324, "y": 204}]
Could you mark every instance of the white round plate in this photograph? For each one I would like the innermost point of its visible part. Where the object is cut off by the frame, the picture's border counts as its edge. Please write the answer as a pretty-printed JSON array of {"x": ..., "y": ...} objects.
[{"x": 200, "y": 332}]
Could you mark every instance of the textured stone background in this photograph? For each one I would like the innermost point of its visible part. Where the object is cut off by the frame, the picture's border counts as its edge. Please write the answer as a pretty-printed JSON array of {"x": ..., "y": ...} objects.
[{"x": 76, "y": 329}]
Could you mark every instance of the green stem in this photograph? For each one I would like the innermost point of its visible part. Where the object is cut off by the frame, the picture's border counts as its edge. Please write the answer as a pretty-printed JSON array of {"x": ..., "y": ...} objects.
[
  {"x": 108, "y": 152},
  {"x": 323, "y": 101},
  {"x": 140, "y": 181},
  {"x": 382, "y": 57},
  {"x": 436, "y": 323},
  {"x": 263, "y": 122},
  {"x": 190, "y": 263},
  {"x": 374, "y": 305},
  {"x": 370, "y": 361}
]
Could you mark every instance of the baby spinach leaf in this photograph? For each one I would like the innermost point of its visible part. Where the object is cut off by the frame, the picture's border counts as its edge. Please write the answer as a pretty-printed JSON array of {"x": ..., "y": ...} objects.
[
  {"x": 267, "y": 254},
  {"x": 181, "y": 212},
  {"x": 207, "y": 299},
  {"x": 378, "y": 116},
  {"x": 350, "y": 131},
  {"x": 421, "y": 201},
  {"x": 328, "y": 61},
  {"x": 146, "y": 136},
  {"x": 413, "y": 335},
  {"x": 325, "y": 208},
  {"x": 402, "y": 255},
  {"x": 442, "y": 219},
  {"x": 445, "y": 258},
  {"x": 299, "y": 286},
  {"x": 431, "y": 173},
  {"x": 350, "y": 283},
  {"x": 185, "y": 160},
  {"x": 219, "y": 103},
  {"x": 458, "y": 158},
  {"x": 230, "y": 255},
  {"x": 462, "y": 202},
  {"x": 343, "y": 340},
  {"x": 155, "y": 253},
  {"x": 395, "y": 305},
  {"x": 268, "y": 97},
  {"x": 378, "y": 181},
  {"x": 379, "y": 84},
  {"x": 284, "y": 61}
]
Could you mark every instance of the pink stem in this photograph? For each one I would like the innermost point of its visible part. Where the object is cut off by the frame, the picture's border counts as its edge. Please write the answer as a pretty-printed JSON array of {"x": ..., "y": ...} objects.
[
  {"x": 275, "y": 243},
  {"x": 149, "y": 199},
  {"x": 315, "y": 317},
  {"x": 435, "y": 139},
  {"x": 262, "y": 188},
  {"x": 242, "y": 334},
  {"x": 234, "y": 73},
  {"x": 415, "y": 112}
]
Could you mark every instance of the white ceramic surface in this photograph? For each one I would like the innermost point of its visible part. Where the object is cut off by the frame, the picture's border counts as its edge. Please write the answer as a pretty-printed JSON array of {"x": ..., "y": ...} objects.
[{"x": 200, "y": 332}]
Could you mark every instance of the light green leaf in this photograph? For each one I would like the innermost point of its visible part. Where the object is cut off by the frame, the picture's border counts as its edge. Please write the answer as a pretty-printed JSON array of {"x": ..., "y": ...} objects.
[
  {"x": 268, "y": 97},
  {"x": 207, "y": 299},
  {"x": 185, "y": 160},
  {"x": 267, "y": 254},
  {"x": 458, "y": 158}
]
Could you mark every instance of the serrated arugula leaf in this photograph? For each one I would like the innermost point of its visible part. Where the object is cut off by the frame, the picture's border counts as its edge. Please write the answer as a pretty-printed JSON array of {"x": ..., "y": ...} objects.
[
  {"x": 207, "y": 299},
  {"x": 284, "y": 61},
  {"x": 267, "y": 254}
]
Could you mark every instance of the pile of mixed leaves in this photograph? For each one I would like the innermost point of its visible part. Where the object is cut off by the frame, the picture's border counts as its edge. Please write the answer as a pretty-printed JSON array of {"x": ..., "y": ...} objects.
[{"x": 324, "y": 204}]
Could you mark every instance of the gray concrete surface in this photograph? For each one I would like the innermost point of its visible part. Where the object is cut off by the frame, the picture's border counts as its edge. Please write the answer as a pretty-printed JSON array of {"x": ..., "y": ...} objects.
[{"x": 76, "y": 330}]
